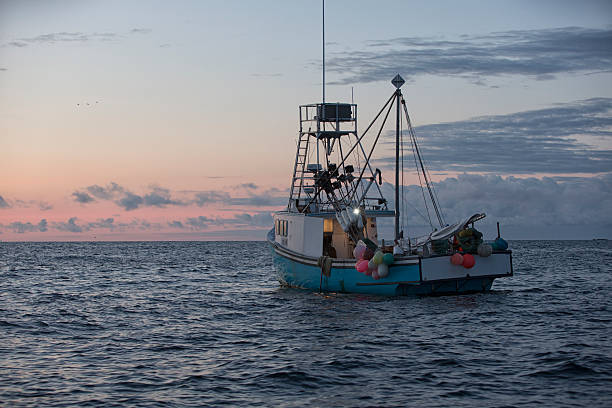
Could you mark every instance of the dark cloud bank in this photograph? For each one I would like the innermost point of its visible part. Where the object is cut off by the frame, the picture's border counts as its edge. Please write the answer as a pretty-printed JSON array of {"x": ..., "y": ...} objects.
[
  {"x": 540, "y": 54},
  {"x": 549, "y": 141},
  {"x": 241, "y": 220},
  {"x": 73, "y": 37},
  {"x": 539, "y": 208},
  {"x": 159, "y": 197}
]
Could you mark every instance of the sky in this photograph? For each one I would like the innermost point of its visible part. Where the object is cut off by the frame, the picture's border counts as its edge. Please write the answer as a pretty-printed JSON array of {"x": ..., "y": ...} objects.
[{"x": 156, "y": 120}]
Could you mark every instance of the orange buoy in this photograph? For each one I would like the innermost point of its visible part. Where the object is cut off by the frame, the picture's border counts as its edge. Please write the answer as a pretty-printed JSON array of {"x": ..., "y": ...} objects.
[
  {"x": 468, "y": 261},
  {"x": 457, "y": 259}
]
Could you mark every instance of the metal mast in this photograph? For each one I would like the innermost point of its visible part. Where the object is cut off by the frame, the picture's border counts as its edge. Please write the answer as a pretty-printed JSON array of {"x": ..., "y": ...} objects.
[
  {"x": 323, "y": 52},
  {"x": 398, "y": 81}
]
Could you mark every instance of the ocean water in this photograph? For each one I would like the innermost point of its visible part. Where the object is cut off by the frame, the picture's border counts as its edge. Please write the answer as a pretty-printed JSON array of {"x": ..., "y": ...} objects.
[{"x": 206, "y": 324}]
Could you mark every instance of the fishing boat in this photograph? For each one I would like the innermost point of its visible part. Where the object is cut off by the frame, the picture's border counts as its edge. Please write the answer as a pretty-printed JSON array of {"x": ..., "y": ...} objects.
[{"x": 327, "y": 238}]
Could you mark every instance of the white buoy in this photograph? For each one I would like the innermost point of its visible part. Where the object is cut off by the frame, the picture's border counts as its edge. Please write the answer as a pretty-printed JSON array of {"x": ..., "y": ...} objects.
[{"x": 383, "y": 270}]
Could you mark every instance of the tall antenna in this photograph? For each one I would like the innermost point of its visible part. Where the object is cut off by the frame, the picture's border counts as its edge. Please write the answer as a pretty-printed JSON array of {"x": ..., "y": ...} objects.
[{"x": 323, "y": 53}]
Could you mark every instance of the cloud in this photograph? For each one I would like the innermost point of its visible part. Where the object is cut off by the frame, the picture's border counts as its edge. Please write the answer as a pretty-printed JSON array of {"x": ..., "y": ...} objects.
[
  {"x": 63, "y": 37},
  {"x": 203, "y": 198},
  {"x": 198, "y": 223},
  {"x": 23, "y": 227},
  {"x": 157, "y": 197},
  {"x": 264, "y": 199},
  {"x": 176, "y": 224},
  {"x": 73, "y": 225},
  {"x": 69, "y": 226},
  {"x": 549, "y": 141},
  {"x": 247, "y": 186},
  {"x": 3, "y": 203},
  {"x": 519, "y": 202},
  {"x": 272, "y": 75},
  {"x": 129, "y": 201},
  {"x": 539, "y": 54},
  {"x": 160, "y": 197},
  {"x": 42, "y": 205},
  {"x": 106, "y": 193},
  {"x": 140, "y": 30},
  {"x": 257, "y": 219},
  {"x": 82, "y": 197},
  {"x": 263, "y": 219},
  {"x": 255, "y": 197},
  {"x": 252, "y": 195},
  {"x": 102, "y": 223},
  {"x": 73, "y": 37}
]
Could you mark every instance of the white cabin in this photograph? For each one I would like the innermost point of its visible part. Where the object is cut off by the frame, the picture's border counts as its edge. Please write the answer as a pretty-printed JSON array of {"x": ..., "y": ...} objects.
[{"x": 320, "y": 234}]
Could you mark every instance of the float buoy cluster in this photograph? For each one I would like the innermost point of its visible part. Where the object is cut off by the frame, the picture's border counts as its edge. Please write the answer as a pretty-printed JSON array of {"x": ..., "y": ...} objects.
[
  {"x": 372, "y": 262},
  {"x": 468, "y": 242},
  {"x": 465, "y": 260}
]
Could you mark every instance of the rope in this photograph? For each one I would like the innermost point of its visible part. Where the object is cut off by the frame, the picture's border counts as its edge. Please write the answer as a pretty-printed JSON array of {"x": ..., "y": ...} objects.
[{"x": 425, "y": 172}]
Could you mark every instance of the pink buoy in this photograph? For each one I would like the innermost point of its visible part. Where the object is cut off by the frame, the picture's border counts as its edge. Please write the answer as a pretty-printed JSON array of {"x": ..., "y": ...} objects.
[
  {"x": 375, "y": 275},
  {"x": 362, "y": 266},
  {"x": 457, "y": 259},
  {"x": 468, "y": 261},
  {"x": 358, "y": 252}
]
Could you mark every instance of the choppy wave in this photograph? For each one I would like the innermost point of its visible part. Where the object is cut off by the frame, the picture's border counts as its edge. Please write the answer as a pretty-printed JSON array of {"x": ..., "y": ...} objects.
[{"x": 207, "y": 324}]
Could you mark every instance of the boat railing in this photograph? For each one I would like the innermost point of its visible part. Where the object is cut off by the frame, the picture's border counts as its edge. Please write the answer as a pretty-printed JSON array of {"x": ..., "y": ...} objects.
[{"x": 329, "y": 119}]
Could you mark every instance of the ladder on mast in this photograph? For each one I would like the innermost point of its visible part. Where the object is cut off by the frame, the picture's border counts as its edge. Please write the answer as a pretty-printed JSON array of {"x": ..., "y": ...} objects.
[{"x": 297, "y": 181}]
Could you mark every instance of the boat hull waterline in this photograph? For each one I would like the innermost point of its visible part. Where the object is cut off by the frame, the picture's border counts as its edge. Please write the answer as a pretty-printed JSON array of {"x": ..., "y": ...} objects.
[{"x": 408, "y": 276}]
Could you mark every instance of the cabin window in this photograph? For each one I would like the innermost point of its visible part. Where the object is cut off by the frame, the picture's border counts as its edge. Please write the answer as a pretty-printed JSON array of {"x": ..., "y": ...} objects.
[{"x": 328, "y": 225}]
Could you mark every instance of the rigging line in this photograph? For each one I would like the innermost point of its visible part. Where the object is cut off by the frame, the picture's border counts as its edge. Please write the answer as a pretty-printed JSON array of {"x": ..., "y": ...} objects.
[
  {"x": 370, "y": 168},
  {"x": 420, "y": 171},
  {"x": 369, "y": 126},
  {"x": 429, "y": 188},
  {"x": 435, "y": 193},
  {"x": 318, "y": 192},
  {"x": 411, "y": 205},
  {"x": 403, "y": 225},
  {"x": 373, "y": 146},
  {"x": 429, "y": 180},
  {"x": 343, "y": 167},
  {"x": 359, "y": 167},
  {"x": 344, "y": 190},
  {"x": 416, "y": 165}
]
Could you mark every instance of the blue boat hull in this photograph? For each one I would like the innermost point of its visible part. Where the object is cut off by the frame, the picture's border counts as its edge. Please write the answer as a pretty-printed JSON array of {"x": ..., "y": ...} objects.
[{"x": 405, "y": 277}]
